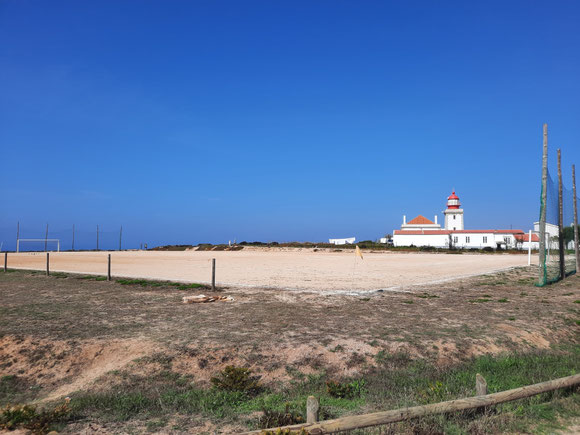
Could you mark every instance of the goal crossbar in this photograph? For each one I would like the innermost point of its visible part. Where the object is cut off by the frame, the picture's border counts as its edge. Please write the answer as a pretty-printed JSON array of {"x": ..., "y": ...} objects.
[{"x": 37, "y": 240}]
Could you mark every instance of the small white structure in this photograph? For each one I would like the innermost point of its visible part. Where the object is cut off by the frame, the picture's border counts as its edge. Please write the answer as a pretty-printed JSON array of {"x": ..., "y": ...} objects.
[
  {"x": 348, "y": 241},
  {"x": 423, "y": 232}
]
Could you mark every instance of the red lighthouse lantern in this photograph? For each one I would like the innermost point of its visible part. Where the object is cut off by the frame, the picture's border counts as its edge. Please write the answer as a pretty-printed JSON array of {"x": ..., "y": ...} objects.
[{"x": 453, "y": 201}]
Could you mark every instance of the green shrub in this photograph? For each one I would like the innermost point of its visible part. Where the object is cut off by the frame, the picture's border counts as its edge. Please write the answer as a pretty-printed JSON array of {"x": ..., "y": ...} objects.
[
  {"x": 273, "y": 418},
  {"x": 237, "y": 379},
  {"x": 28, "y": 417},
  {"x": 345, "y": 391}
]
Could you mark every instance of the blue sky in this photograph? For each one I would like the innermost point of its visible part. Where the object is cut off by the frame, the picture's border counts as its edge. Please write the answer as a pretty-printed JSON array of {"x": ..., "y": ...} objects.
[{"x": 205, "y": 121}]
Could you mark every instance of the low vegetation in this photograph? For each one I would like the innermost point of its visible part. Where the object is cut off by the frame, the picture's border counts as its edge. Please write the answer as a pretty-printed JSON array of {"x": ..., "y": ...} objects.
[
  {"x": 238, "y": 379},
  {"x": 389, "y": 385},
  {"x": 37, "y": 421},
  {"x": 202, "y": 369}
]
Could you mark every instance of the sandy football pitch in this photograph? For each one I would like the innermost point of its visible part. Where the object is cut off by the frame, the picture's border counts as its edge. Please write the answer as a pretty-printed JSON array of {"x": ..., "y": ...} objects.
[{"x": 302, "y": 269}]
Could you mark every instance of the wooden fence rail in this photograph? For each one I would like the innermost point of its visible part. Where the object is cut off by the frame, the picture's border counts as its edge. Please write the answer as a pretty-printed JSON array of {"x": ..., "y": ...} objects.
[{"x": 386, "y": 417}]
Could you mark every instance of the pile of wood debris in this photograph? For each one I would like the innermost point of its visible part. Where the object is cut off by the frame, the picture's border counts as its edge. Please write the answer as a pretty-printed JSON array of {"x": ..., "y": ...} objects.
[{"x": 201, "y": 299}]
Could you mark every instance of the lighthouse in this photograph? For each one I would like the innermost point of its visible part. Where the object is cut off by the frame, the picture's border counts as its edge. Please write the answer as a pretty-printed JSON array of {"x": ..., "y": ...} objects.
[{"x": 453, "y": 213}]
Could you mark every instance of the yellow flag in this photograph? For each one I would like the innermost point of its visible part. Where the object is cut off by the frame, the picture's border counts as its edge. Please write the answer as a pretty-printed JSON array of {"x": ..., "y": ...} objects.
[{"x": 358, "y": 252}]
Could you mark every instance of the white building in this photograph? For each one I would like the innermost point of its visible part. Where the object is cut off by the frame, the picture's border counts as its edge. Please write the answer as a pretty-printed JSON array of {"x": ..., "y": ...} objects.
[
  {"x": 348, "y": 241},
  {"x": 552, "y": 235},
  {"x": 424, "y": 232}
]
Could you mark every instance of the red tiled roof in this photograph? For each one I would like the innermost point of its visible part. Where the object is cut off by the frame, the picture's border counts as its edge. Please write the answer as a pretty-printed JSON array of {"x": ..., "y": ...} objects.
[
  {"x": 525, "y": 237},
  {"x": 439, "y": 232},
  {"x": 420, "y": 220}
]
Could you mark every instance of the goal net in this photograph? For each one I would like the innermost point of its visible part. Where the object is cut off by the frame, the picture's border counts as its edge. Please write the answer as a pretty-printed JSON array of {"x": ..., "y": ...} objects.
[
  {"x": 550, "y": 269},
  {"x": 37, "y": 245}
]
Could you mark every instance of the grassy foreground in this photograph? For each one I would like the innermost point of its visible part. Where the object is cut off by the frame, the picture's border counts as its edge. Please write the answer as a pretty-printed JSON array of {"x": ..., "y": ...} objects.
[{"x": 169, "y": 401}]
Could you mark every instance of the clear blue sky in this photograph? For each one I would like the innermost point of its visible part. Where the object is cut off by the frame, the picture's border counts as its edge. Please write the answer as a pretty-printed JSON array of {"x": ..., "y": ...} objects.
[{"x": 205, "y": 121}]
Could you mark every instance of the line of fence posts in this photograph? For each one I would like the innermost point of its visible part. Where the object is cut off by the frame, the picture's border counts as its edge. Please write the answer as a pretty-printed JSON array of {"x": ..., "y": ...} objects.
[
  {"x": 48, "y": 264},
  {"x": 108, "y": 267},
  {"x": 481, "y": 399},
  {"x": 73, "y": 237}
]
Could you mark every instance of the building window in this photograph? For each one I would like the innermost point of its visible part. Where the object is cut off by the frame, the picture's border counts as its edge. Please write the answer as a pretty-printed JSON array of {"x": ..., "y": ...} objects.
[
  {"x": 453, "y": 217},
  {"x": 455, "y": 239},
  {"x": 467, "y": 239},
  {"x": 507, "y": 240},
  {"x": 484, "y": 239}
]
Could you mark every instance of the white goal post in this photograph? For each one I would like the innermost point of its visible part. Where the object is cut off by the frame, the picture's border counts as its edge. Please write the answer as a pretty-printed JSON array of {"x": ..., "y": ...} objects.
[{"x": 38, "y": 240}]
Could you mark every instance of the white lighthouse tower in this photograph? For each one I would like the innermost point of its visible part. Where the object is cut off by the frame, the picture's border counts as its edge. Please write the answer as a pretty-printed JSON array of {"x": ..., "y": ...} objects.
[{"x": 453, "y": 214}]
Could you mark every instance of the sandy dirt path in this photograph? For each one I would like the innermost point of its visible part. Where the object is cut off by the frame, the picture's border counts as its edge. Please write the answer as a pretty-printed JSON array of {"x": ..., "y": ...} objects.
[{"x": 296, "y": 270}]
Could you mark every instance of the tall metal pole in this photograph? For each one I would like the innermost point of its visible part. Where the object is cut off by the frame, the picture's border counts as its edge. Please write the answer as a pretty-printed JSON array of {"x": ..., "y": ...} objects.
[
  {"x": 575, "y": 220},
  {"x": 73, "y": 239},
  {"x": 543, "y": 199},
  {"x": 561, "y": 246},
  {"x": 97, "y": 237},
  {"x": 17, "y": 235},
  {"x": 121, "y": 238},
  {"x": 46, "y": 239}
]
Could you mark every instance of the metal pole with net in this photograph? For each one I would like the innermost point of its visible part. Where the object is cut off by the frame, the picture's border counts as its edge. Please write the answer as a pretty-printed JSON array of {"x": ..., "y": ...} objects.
[
  {"x": 561, "y": 245},
  {"x": 558, "y": 226},
  {"x": 576, "y": 251},
  {"x": 542, "y": 279}
]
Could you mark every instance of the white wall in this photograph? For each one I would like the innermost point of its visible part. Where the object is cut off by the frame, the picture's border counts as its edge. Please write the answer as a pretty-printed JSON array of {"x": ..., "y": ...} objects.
[
  {"x": 436, "y": 240},
  {"x": 460, "y": 240},
  {"x": 457, "y": 223}
]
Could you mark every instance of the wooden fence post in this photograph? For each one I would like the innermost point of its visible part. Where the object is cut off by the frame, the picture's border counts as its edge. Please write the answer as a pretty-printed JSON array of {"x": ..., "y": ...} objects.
[
  {"x": 5, "y": 261},
  {"x": 213, "y": 273},
  {"x": 480, "y": 385},
  {"x": 312, "y": 409},
  {"x": 47, "y": 263},
  {"x": 109, "y": 269},
  {"x": 352, "y": 422}
]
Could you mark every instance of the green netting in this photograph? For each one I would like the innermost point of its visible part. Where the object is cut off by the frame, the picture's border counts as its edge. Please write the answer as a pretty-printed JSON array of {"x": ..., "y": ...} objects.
[{"x": 550, "y": 270}]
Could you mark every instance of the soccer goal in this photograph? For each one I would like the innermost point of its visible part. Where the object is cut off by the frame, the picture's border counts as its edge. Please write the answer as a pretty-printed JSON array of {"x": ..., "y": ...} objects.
[{"x": 38, "y": 244}]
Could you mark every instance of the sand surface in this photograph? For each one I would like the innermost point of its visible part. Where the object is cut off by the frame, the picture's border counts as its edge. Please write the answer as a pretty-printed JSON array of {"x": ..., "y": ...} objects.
[{"x": 296, "y": 270}]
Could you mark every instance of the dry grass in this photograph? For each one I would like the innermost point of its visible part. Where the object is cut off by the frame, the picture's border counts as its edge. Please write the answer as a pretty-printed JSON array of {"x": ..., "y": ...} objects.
[{"x": 59, "y": 334}]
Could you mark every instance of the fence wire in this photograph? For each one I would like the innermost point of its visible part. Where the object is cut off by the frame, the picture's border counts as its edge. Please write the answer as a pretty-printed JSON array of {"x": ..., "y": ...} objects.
[{"x": 551, "y": 266}]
